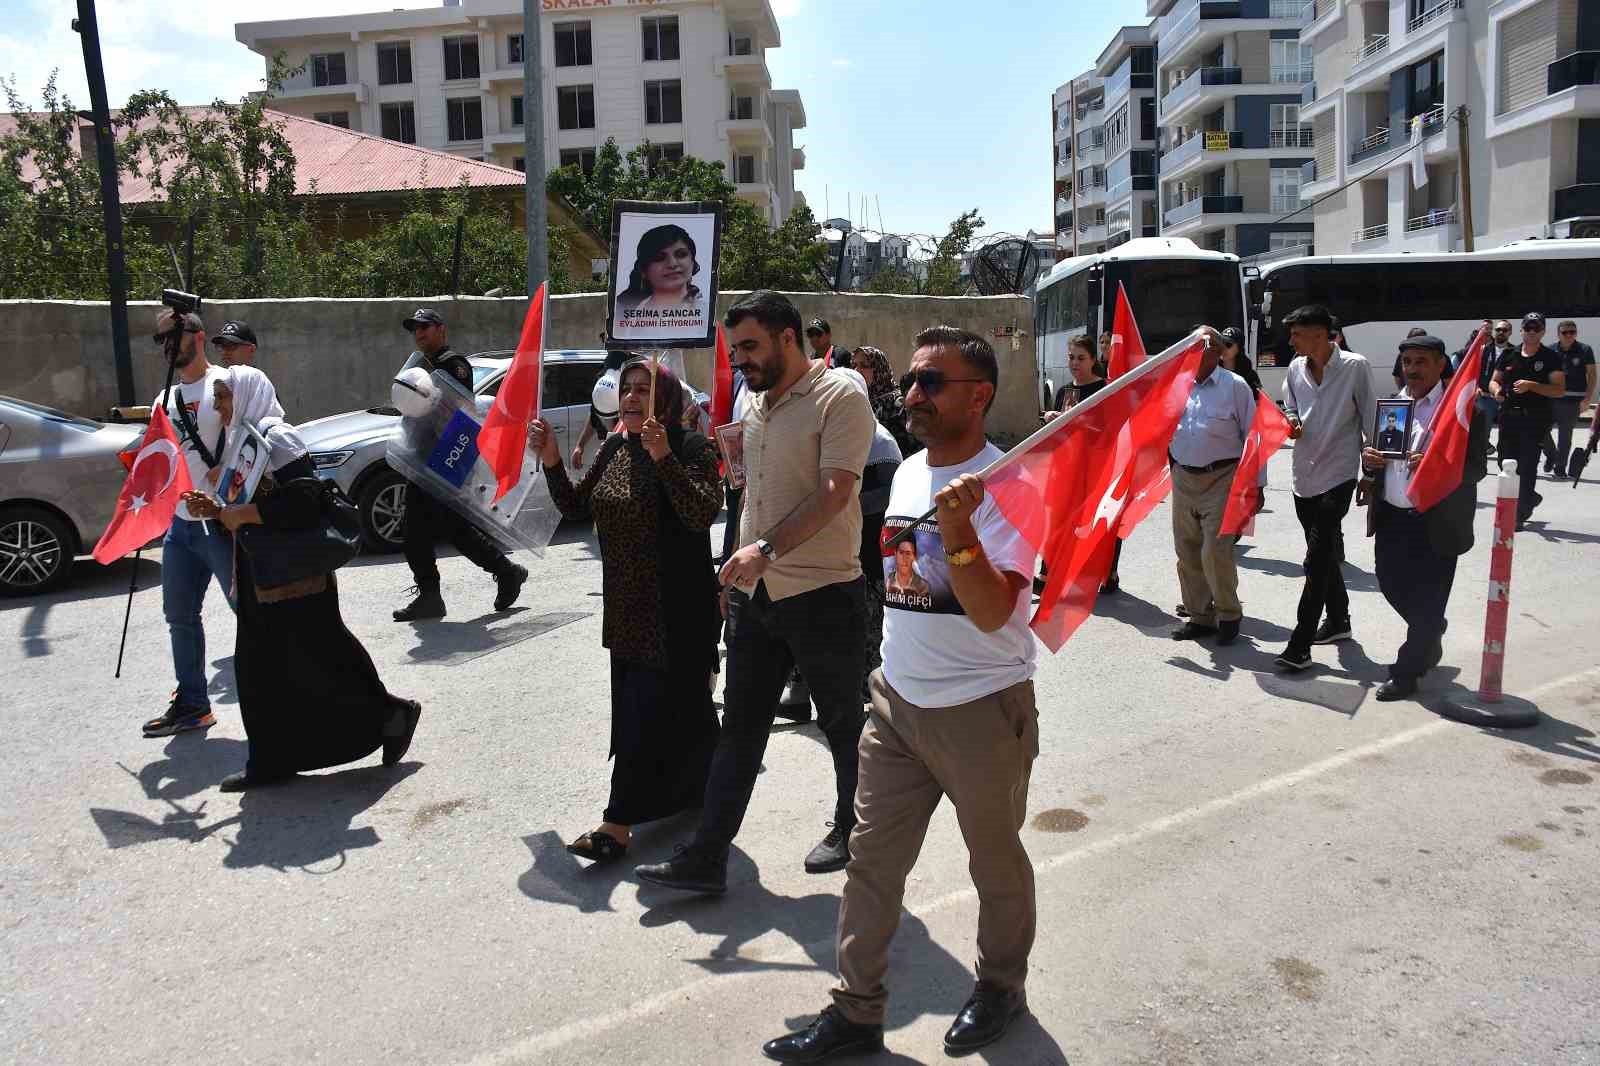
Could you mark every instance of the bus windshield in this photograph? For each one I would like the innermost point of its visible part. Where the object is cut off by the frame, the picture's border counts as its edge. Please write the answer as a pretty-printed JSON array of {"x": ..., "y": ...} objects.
[{"x": 1169, "y": 297}]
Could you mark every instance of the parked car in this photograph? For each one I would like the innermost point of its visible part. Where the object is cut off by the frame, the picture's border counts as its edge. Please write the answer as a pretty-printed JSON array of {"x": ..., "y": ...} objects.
[
  {"x": 349, "y": 449},
  {"x": 59, "y": 482}
]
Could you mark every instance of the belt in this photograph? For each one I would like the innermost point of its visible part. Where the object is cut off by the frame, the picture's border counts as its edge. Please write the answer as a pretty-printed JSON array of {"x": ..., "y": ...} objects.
[{"x": 1207, "y": 469}]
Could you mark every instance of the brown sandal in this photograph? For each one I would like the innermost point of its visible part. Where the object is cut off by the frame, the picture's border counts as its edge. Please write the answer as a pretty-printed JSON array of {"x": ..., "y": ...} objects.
[{"x": 598, "y": 847}]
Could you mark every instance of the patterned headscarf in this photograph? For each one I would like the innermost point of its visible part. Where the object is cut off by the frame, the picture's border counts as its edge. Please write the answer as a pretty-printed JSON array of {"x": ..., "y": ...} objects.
[
  {"x": 669, "y": 392},
  {"x": 882, "y": 383}
]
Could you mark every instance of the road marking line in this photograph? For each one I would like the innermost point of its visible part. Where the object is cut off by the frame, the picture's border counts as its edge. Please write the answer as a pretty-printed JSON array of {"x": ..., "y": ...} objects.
[{"x": 561, "y": 1036}]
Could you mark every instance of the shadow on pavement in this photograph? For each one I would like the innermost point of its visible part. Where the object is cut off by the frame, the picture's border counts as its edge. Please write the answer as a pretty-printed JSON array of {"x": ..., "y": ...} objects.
[
  {"x": 223, "y": 688},
  {"x": 88, "y": 581},
  {"x": 1355, "y": 578},
  {"x": 1553, "y": 735},
  {"x": 1560, "y": 536},
  {"x": 557, "y": 876},
  {"x": 1130, "y": 610},
  {"x": 446, "y": 643}
]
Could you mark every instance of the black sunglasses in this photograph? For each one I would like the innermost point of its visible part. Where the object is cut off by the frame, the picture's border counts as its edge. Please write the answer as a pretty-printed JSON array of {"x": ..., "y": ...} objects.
[
  {"x": 1569, "y": 333},
  {"x": 932, "y": 381}
]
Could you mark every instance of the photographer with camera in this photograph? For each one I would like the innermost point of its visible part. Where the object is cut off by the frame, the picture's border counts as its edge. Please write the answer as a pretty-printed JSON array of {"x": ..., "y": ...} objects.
[
  {"x": 428, "y": 521},
  {"x": 193, "y": 551}
]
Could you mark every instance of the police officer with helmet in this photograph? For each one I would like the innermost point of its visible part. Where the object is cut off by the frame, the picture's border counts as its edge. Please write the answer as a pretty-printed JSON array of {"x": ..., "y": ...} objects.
[{"x": 427, "y": 520}]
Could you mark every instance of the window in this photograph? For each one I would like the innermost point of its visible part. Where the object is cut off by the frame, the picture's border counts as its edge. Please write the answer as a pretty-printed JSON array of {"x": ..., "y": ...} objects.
[
  {"x": 742, "y": 107},
  {"x": 744, "y": 169},
  {"x": 740, "y": 44},
  {"x": 660, "y": 39},
  {"x": 1285, "y": 185},
  {"x": 1291, "y": 62},
  {"x": 1425, "y": 86},
  {"x": 663, "y": 102},
  {"x": 394, "y": 64},
  {"x": 516, "y": 111},
  {"x": 582, "y": 158},
  {"x": 328, "y": 69},
  {"x": 400, "y": 122},
  {"x": 575, "y": 107},
  {"x": 519, "y": 163},
  {"x": 1282, "y": 241},
  {"x": 334, "y": 118},
  {"x": 460, "y": 58},
  {"x": 464, "y": 117},
  {"x": 574, "y": 46},
  {"x": 570, "y": 384},
  {"x": 1287, "y": 131},
  {"x": 514, "y": 48},
  {"x": 656, "y": 154},
  {"x": 1147, "y": 118}
]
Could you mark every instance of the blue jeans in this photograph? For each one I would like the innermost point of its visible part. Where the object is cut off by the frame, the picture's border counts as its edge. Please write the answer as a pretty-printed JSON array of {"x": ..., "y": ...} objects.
[{"x": 190, "y": 557}]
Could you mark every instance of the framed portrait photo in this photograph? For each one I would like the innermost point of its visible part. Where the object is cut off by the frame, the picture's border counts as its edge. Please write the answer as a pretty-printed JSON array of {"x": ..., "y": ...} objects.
[
  {"x": 730, "y": 441},
  {"x": 1393, "y": 427},
  {"x": 239, "y": 482},
  {"x": 665, "y": 258}
]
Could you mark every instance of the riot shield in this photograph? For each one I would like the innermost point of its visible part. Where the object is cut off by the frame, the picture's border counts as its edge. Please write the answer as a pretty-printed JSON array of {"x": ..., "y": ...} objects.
[{"x": 438, "y": 452}]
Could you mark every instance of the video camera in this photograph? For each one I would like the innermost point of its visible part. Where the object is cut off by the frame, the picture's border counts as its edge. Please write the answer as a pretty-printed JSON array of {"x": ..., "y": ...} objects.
[{"x": 184, "y": 303}]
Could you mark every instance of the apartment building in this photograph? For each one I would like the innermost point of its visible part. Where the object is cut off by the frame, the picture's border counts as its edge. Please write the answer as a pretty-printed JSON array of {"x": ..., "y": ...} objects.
[
  {"x": 689, "y": 77},
  {"x": 1080, "y": 171},
  {"x": 1128, "y": 66},
  {"x": 1228, "y": 80},
  {"x": 1391, "y": 76}
]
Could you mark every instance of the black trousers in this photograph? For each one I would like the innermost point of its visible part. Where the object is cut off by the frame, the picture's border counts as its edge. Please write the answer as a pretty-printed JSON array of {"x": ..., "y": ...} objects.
[
  {"x": 1522, "y": 436},
  {"x": 428, "y": 522},
  {"x": 824, "y": 632},
  {"x": 1558, "y": 443},
  {"x": 1322, "y": 518},
  {"x": 1416, "y": 580}
]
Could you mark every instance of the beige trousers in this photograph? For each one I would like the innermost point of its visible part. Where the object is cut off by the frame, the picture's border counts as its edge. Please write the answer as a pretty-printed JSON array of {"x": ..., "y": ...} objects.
[
  {"x": 1206, "y": 571},
  {"x": 980, "y": 755}
]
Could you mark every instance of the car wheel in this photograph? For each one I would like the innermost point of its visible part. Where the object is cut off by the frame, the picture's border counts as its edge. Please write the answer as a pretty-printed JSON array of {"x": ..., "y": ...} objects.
[
  {"x": 36, "y": 549},
  {"x": 382, "y": 503}
]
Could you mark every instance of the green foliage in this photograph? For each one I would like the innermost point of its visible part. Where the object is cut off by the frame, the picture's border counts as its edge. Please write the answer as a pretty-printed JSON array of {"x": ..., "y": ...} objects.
[{"x": 944, "y": 270}]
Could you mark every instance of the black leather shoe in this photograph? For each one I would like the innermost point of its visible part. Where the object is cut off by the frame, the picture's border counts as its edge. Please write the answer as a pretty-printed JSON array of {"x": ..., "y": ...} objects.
[
  {"x": 403, "y": 724},
  {"x": 244, "y": 779},
  {"x": 690, "y": 870},
  {"x": 1397, "y": 688},
  {"x": 984, "y": 1019},
  {"x": 1228, "y": 632},
  {"x": 508, "y": 586},
  {"x": 832, "y": 852},
  {"x": 831, "y": 1034},
  {"x": 1193, "y": 631},
  {"x": 428, "y": 604}
]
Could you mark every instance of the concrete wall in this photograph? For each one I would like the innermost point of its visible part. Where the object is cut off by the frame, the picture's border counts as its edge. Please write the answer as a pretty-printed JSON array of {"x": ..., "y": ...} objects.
[{"x": 328, "y": 356}]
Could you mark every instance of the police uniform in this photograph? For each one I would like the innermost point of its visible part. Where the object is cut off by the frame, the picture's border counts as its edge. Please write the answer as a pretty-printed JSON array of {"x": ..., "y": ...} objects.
[{"x": 1525, "y": 417}]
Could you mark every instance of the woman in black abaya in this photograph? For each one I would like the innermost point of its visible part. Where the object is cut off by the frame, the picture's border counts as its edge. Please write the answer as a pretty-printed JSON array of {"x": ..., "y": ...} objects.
[
  {"x": 308, "y": 692},
  {"x": 654, "y": 491}
]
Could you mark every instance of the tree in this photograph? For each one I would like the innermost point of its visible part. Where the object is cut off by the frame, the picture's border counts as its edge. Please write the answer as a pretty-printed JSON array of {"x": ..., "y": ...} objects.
[
  {"x": 944, "y": 270},
  {"x": 754, "y": 255}
]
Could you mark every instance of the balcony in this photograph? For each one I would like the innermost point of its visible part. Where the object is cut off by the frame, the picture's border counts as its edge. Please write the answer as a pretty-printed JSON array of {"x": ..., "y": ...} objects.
[
  {"x": 1578, "y": 68},
  {"x": 1433, "y": 219},
  {"x": 1374, "y": 47},
  {"x": 1576, "y": 201},
  {"x": 1431, "y": 17},
  {"x": 1292, "y": 75},
  {"x": 1308, "y": 94},
  {"x": 1374, "y": 143},
  {"x": 746, "y": 130},
  {"x": 1129, "y": 185},
  {"x": 1198, "y": 145},
  {"x": 1204, "y": 205},
  {"x": 1308, "y": 173},
  {"x": 1090, "y": 108},
  {"x": 1371, "y": 233},
  {"x": 744, "y": 69},
  {"x": 1432, "y": 121},
  {"x": 797, "y": 159},
  {"x": 1188, "y": 90},
  {"x": 1317, "y": 16}
]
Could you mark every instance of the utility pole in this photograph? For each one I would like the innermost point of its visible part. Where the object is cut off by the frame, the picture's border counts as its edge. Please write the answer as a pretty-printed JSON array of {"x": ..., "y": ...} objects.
[
  {"x": 1465, "y": 142},
  {"x": 1072, "y": 102},
  {"x": 88, "y": 29},
  {"x": 536, "y": 213}
]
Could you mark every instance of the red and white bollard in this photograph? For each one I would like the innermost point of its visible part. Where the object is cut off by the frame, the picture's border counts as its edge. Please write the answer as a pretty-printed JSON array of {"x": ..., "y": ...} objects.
[{"x": 1490, "y": 706}]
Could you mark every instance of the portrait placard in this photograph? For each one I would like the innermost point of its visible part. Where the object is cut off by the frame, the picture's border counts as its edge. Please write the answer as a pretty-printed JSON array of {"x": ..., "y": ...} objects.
[
  {"x": 1392, "y": 428},
  {"x": 730, "y": 440},
  {"x": 665, "y": 258},
  {"x": 238, "y": 483}
]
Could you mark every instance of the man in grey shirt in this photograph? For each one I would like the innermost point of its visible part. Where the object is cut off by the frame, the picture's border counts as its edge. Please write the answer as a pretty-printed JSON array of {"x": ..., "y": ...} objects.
[{"x": 1327, "y": 395}]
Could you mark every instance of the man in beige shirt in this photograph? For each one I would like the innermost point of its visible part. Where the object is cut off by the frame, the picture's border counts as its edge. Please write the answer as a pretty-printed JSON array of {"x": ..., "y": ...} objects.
[{"x": 793, "y": 591}]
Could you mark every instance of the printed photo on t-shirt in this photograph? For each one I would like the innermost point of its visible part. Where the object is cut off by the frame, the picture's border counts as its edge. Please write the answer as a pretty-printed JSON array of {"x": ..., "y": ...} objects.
[{"x": 915, "y": 574}]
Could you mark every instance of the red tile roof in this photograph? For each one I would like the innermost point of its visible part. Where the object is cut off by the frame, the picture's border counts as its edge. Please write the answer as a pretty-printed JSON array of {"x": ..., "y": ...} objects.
[{"x": 330, "y": 161}]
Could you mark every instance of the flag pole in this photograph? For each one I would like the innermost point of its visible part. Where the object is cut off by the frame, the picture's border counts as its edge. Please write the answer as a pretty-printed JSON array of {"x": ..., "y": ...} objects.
[
  {"x": 133, "y": 584},
  {"x": 655, "y": 361},
  {"x": 1055, "y": 424}
]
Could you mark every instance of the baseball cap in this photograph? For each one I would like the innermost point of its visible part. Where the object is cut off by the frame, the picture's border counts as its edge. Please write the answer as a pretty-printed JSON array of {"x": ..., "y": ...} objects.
[
  {"x": 423, "y": 316},
  {"x": 235, "y": 332},
  {"x": 1534, "y": 319},
  {"x": 1232, "y": 335},
  {"x": 1423, "y": 340},
  {"x": 817, "y": 327}
]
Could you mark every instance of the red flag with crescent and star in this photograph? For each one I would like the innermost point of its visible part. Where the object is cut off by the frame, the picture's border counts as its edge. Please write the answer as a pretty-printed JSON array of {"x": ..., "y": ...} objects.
[
  {"x": 157, "y": 480},
  {"x": 1438, "y": 472},
  {"x": 1268, "y": 430}
]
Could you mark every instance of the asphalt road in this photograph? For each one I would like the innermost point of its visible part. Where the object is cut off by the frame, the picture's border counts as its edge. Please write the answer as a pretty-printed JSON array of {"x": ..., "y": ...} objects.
[{"x": 1233, "y": 867}]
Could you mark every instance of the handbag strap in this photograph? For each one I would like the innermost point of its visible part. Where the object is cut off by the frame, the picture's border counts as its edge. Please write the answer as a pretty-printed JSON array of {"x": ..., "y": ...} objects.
[{"x": 207, "y": 456}]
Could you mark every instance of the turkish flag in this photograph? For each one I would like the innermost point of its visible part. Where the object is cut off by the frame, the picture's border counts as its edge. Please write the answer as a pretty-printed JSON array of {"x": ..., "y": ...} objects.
[
  {"x": 503, "y": 440},
  {"x": 1268, "y": 430},
  {"x": 1127, "y": 347},
  {"x": 1066, "y": 487},
  {"x": 157, "y": 480},
  {"x": 1438, "y": 473},
  {"x": 722, "y": 383}
]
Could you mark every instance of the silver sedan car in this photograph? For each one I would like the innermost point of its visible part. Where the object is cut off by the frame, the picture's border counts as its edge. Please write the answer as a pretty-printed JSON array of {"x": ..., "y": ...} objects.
[
  {"x": 349, "y": 449},
  {"x": 59, "y": 482}
]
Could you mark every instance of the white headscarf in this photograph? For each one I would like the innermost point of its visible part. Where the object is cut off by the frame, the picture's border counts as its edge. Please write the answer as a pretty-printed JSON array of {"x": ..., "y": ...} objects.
[{"x": 255, "y": 402}]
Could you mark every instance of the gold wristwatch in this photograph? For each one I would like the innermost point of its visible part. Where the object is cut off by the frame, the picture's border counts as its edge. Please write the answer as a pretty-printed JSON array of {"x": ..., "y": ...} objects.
[{"x": 963, "y": 556}]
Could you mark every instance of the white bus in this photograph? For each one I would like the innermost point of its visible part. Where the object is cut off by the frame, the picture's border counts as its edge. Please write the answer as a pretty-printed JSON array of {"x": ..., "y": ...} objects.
[
  {"x": 1172, "y": 285},
  {"x": 1378, "y": 298}
]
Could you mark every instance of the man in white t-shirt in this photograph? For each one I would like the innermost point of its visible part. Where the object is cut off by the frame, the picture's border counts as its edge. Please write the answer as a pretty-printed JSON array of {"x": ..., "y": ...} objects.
[
  {"x": 953, "y": 715},
  {"x": 193, "y": 552}
]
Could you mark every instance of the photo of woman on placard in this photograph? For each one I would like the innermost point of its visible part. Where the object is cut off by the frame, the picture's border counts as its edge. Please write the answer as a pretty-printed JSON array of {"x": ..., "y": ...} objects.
[{"x": 663, "y": 271}]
